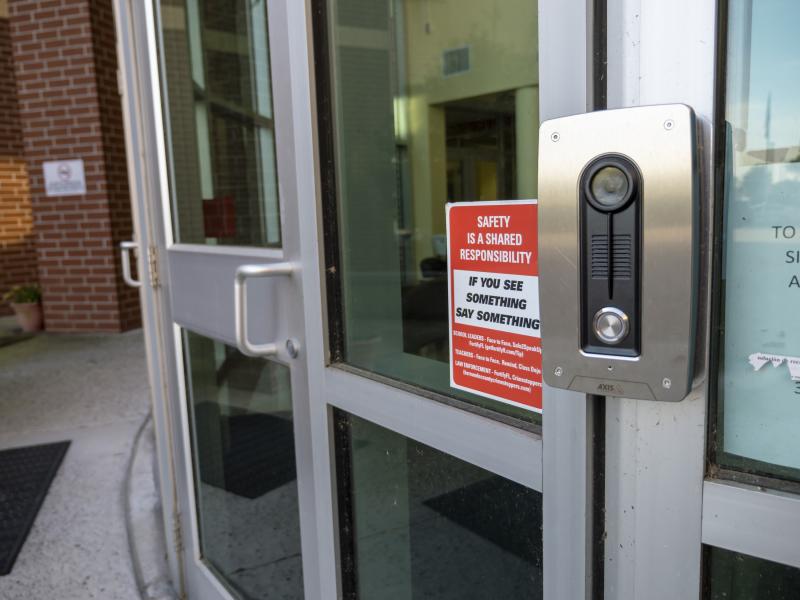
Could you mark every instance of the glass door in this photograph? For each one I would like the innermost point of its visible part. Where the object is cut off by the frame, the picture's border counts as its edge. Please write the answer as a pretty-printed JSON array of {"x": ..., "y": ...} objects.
[
  {"x": 232, "y": 268},
  {"x": 438, "y": 493},
  {"x": 211, "y": 116}
]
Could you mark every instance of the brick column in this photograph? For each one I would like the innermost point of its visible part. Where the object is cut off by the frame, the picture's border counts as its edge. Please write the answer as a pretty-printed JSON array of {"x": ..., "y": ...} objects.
[
  {"x": 17, "y": 249},
  {"x": 65, "y": 64}
]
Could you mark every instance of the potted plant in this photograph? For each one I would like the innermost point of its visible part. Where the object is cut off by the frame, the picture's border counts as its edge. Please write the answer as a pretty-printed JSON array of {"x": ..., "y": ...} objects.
[{"x": 25, "y": 301}]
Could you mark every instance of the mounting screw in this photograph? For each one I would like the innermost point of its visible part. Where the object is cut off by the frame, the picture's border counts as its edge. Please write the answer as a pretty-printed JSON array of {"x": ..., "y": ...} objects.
[
  {"x": 669, "y": 124},
  {"x": 555, "y": 136},
  {"x": 292, "y": 347},
  {"x": 666, "y": 383},
  {"x": 558, "y": 372}
]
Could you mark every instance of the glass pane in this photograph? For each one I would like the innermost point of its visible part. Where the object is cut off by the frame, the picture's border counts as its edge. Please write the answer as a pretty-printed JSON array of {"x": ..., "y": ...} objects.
[
  {"x": 734, "y": 576},
  {"x": 240, "y": 411},
  {"x": 760, "y": 375},
  {"x": 420, "y": 524},
  {"x": 435, "y": 102},
  {"x": 218, "y": 106}
]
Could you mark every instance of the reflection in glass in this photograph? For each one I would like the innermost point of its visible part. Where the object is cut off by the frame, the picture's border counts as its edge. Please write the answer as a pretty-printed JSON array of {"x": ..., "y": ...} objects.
[
  {"x": 421, "y": 525},
  {"x": 240, "y": 411},
  {"x": 734, "y": 576},
  {"x": 435, "y": 102},
  {"x": 759, "y": 381},
  {"x": 216, "y": 72}
]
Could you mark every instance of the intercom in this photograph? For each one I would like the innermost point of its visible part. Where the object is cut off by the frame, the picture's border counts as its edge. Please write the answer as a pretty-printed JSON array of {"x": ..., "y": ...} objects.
[{"x": 618, "y": 251}]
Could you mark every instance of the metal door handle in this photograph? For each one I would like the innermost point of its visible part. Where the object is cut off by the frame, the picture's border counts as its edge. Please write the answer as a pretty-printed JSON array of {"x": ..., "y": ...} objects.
[
  {"x": 243, "y": 273},
  {"x": 126, "y": 248}
]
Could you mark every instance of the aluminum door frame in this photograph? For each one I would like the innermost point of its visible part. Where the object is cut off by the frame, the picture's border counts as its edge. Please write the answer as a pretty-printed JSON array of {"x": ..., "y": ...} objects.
[
  {"x": 140, "y": 115},
  {"x": 139, "y": 62},
  {"x": 559, "y": 461},
  {"x": 567, "y": 48}
]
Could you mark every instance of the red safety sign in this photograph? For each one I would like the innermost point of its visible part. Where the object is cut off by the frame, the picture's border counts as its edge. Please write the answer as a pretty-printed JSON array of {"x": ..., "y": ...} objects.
[{"x": 493, "y": 285}]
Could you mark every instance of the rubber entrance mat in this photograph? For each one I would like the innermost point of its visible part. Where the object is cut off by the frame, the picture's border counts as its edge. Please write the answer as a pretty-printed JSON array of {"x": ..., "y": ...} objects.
[{"x": 25, "y": 476}]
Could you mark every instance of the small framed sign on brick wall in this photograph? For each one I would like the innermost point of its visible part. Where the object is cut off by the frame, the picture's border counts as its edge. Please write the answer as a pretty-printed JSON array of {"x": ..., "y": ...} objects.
[{"x": 64, "y": 177}]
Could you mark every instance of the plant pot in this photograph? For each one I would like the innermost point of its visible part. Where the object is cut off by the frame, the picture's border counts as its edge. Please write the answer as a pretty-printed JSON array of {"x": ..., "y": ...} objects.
[{"x": 29, "y": 315}]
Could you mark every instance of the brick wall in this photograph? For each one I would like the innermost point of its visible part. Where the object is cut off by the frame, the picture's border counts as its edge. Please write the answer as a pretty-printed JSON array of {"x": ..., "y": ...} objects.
[
  {"x": 65, "y": 66},
  {"x": 17, "y": 250}
]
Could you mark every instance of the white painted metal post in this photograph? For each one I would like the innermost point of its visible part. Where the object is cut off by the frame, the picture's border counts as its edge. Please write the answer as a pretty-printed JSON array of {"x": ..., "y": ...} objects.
[{"x": 661, "y": 52}]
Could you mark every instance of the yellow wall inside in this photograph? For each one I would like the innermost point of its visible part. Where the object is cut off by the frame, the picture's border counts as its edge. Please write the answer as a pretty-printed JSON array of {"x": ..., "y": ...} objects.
[{"x": 502, "y": 37}]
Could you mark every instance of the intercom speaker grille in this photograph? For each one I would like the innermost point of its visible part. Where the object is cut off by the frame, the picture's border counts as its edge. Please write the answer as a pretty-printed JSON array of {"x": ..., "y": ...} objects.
[
  {"x": 599, "y": 256},
  {"x": 622, "y": 256}
]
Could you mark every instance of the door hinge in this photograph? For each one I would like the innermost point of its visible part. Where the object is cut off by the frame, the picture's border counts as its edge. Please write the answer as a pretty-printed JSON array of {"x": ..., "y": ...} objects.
[
  {"x": 177, "y": 537},
  {"x": 152, "y": 266},
  {"x": 177, "y": 533}
]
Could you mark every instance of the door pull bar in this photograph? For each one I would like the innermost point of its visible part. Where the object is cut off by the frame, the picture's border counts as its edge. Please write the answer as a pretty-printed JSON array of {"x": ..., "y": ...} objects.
[
  {"x": 126, "y": 248},
  {"x": 243, "y": 273}
]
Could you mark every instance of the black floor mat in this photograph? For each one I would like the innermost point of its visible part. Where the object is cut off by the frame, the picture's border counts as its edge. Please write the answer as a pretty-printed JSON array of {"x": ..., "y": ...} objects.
[
  {"x": 25, "y": 476},
  {"x": 496, "y": 510},
  {"x": 258, "y": 455}
]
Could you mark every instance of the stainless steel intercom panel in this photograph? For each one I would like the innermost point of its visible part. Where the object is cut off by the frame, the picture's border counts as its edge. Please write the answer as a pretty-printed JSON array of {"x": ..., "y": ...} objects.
[{"x": 618, "y": 218}]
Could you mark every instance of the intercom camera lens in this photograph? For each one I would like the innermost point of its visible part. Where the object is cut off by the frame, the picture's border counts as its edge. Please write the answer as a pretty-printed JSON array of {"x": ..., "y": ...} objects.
[{"x": 609, "y": 186}]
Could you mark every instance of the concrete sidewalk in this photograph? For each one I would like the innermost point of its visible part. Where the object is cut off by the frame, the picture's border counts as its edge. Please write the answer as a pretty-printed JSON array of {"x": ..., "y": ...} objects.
[{"x": 92, "y": 390}]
